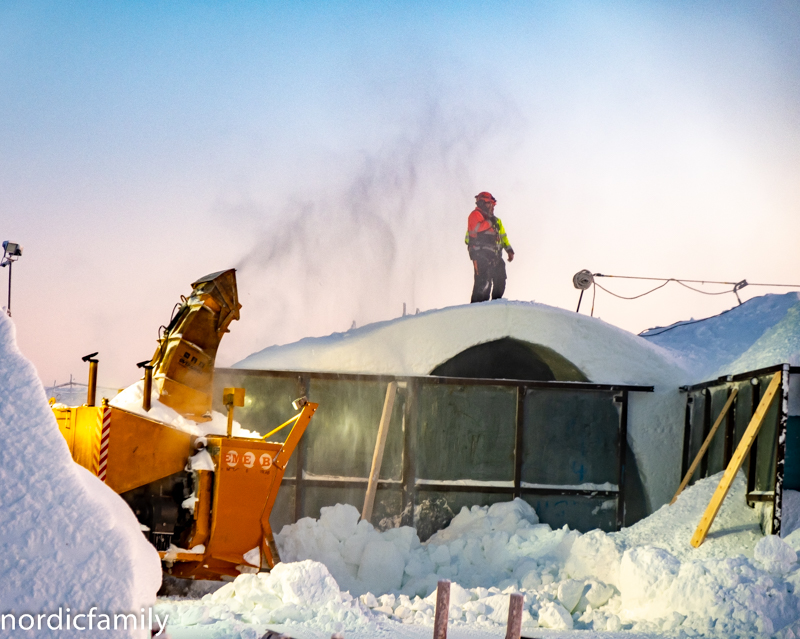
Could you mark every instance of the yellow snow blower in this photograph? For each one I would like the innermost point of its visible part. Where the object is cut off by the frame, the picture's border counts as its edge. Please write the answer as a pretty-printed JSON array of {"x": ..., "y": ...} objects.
[{"x": 203, "y": 502}]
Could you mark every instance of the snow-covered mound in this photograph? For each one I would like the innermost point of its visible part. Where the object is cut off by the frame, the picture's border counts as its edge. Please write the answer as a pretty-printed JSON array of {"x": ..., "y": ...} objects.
[
  {"x": 130, "y": 399},
  {"x": 67, "y": 541},
  {"x": 761, "y": 332},
  {"x": 416, "y": 344},
  {"x": 646, "y": 578}
]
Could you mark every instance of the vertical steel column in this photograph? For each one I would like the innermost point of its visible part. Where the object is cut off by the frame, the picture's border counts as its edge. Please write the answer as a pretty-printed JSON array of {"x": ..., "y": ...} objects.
[
  {"x": 687, "y": 435},
  {"x": 518, "y": 447},
  {"x": 783, "y": 419},
  {"x": 409, "y": 498},
  {"x": 730, "y": 423},
  {"x": 753, "y": 461},
  {"x": 706, "y": 429},
  {"x": 303, "y": 386},
  {"x": 621, "y": 452}
]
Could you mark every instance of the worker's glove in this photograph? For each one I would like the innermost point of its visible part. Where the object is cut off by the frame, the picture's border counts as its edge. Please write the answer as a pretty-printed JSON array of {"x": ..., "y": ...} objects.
[
  {"x": 475, "y": 264},
  {"x": 510, "y": 256}
]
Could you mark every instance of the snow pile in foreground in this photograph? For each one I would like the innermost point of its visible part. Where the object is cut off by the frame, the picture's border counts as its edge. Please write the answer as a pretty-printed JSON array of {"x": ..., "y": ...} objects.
[
  {"x": 66, "y": 540},
  {"x": 300, "y": 592},
  {"x": 130, "y": 400},
  {"x": 646, "y": 578}
]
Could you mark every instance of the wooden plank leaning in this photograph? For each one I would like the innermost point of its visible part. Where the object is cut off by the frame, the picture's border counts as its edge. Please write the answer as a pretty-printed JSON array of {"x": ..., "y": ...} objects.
[
  {"x": 736, "y": 462},
  {"x": 706, "y": 444},
  {"x": 377, "y": 456}
]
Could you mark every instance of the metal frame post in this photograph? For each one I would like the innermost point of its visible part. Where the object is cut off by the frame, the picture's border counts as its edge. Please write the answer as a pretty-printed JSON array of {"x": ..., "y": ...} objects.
[
  {"x": 622, "y": 450},
  {"x": 752, "y": 463},
  {"x": 409, "y": 479},
  {"x": 730, "y": 424},
  {"x": 687, "y": 434},
  {"x": 519, "y": 438},
  {"x": 707, "y": 397},
  {"x": 780, "y": 452},
  {"x": 303, "y": 384}
]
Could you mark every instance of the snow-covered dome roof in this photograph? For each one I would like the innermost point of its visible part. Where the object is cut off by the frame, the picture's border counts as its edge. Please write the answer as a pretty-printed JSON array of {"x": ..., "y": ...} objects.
[{"x": 573, "y": 347}]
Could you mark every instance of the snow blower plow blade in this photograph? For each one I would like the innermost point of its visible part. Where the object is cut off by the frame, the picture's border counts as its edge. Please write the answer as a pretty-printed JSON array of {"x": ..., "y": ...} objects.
[{"x": 231, "y": 533}]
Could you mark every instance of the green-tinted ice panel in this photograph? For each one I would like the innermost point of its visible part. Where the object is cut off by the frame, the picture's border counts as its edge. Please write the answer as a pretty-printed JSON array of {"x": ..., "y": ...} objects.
[
  {"x": 466, "y": 432},
  {"x": 570, "y": 438},
  {"x": 766, "y": 442},
  {"x": 342, "y": 435},
  {"x": 716, "y": 451}
]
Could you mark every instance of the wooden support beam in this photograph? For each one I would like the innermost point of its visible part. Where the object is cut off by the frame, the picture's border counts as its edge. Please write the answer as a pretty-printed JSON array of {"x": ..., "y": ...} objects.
[
  {"x": 736, "y": 462},
  {"x": 514, "y": 625},
  {"x": 705, "y": 445},
  {"x": 377, "y": 456},
  {"x": 442, "y": 610}
]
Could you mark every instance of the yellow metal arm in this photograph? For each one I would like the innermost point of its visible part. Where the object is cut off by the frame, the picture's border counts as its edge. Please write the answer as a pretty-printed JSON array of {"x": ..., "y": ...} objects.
[
  {"x": 294, "y": 437},
  {"x": 284, "y": 425}
]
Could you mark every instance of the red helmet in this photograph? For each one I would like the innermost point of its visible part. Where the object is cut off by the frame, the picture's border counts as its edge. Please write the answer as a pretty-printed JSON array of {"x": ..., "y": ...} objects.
[{"x": 486, "y": 196}]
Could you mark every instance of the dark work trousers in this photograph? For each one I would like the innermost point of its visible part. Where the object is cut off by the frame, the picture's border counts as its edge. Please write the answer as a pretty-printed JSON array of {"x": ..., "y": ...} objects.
[{"x": 490, "y": 278}]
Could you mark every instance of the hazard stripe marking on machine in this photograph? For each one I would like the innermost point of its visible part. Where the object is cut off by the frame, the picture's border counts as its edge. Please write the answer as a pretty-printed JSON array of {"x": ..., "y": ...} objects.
[{"x": 104, "y": 439}]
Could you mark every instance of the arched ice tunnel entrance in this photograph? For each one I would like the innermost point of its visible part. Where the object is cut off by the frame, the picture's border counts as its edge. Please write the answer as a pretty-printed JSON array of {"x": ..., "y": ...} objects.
[{"x": 509, "y": 358}]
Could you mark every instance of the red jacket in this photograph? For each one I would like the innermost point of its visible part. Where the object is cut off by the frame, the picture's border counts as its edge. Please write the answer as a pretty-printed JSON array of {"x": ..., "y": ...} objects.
[{"x": 481, "y": 232}]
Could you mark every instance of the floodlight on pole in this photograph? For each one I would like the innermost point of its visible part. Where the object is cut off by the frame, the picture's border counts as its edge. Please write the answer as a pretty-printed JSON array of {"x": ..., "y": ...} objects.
[{"x": 11, "y": 253}]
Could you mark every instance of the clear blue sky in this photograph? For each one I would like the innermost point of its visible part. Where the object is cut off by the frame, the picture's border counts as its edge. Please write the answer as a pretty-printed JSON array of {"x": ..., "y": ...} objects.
[{"x": 330, "y": 151}]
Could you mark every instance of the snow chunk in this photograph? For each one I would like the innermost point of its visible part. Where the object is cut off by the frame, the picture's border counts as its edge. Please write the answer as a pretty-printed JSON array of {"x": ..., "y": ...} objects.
[
  {"x": 775, "y": 555},
  {"x": 201, "y": 461},
  {"x": 645, "y": 573},
  {"x": 382, "y": 565},
  {"x": 554, "y": 615},
  {"x": 595, "y": 554}
]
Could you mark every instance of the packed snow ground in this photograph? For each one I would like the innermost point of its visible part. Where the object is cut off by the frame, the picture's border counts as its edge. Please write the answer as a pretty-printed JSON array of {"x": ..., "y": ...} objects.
[
  {"x": 343, "y": 576},
  {"x": 67, "y": 541}
]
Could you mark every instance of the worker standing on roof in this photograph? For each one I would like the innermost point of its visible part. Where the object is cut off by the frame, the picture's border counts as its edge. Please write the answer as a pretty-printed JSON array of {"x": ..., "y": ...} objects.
[{"x": 486, "y": 238}]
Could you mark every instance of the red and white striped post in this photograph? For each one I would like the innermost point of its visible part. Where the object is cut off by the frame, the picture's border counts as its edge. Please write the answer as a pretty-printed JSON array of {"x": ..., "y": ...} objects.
[{"x": 103, "y": 436}]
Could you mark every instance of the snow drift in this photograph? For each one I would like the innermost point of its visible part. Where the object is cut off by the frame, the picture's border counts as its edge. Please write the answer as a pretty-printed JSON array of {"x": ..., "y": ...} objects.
[
  {"x": 761, "y": 332},
  {"x": 66, "y": 539},
  {"x": 646, "y": 579}
]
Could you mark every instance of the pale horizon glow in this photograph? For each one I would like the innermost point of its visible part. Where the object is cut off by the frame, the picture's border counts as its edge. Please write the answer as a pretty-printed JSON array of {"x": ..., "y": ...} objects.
[{"x": 331, "y": 151}]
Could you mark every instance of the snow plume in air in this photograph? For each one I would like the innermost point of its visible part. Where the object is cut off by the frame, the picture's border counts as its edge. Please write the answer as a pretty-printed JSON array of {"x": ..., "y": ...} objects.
[{"x": 392, "y": 233}]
